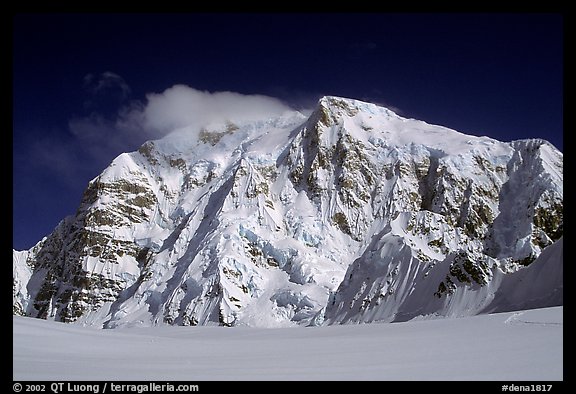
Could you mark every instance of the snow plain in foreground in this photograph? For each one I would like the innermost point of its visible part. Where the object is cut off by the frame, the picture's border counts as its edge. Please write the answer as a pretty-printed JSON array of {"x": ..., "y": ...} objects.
[{"x": 524, "y": 345}]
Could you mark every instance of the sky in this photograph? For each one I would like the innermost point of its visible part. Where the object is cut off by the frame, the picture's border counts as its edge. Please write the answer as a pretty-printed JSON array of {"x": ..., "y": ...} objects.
[{"x": 87, "y": 87}]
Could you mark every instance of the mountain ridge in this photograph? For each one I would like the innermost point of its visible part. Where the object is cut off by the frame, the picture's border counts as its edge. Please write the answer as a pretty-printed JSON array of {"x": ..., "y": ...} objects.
[{"x": 354, "y": 214}]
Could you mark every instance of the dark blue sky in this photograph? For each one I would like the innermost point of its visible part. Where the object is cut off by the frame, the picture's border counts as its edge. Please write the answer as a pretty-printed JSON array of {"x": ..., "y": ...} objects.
[{"x": 499, "y": 75}]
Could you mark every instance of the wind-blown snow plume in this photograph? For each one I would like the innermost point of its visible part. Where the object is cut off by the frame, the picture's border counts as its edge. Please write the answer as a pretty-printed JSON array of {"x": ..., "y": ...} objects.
[
  {"x": 182, "y": 106},
  {"x": 115, "y": 123}
]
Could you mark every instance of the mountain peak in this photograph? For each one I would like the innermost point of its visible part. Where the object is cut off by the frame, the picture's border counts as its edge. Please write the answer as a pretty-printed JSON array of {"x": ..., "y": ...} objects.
[
  {"x": 351, "y": 107},
  {"x": 354, "y": 214}
]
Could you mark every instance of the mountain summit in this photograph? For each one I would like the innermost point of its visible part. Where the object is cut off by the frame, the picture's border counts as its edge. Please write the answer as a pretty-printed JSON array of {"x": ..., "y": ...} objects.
[{"x": 354, "y": 214}]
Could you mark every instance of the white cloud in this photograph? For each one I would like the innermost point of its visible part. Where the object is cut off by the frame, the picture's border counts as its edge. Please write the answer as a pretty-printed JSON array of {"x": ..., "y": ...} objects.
[
  {"x": 110, "y": 129},
  {"x": 184, "y": 107}
]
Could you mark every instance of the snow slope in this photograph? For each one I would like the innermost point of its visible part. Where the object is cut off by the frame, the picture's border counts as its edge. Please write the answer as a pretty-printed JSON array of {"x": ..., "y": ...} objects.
[
  {"x": 354, "y": 214},
  {"x": 520, "y": 346}
]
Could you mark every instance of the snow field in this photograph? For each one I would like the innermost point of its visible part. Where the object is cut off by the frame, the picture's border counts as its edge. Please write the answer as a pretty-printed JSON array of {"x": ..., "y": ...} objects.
[{"x": 525, "y": 345}]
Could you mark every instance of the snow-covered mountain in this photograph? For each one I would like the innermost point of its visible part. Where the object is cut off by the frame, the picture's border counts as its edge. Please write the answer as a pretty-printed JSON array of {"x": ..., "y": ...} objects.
[{"x": 353, "y": 214}]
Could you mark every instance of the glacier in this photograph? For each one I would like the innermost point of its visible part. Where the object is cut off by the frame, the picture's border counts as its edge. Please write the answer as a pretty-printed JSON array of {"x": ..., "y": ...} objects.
[
  {"x": 512, "y": 346},
  {"x": 353, "y": 214}
]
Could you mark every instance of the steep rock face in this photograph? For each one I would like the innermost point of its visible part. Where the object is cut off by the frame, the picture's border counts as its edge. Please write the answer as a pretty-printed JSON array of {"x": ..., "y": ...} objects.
[
  {"x": 354, "y": 214},
  {"x": 486, "y": 216}
]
